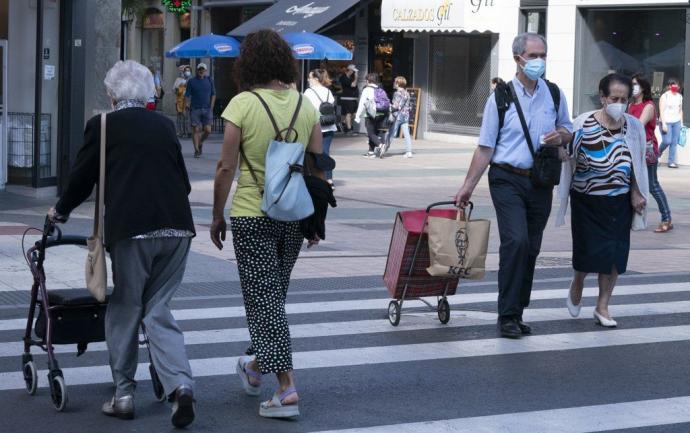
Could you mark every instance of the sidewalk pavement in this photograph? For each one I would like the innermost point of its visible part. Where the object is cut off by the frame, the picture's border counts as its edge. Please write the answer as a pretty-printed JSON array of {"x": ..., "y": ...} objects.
[{"x": 369, "y": 193}]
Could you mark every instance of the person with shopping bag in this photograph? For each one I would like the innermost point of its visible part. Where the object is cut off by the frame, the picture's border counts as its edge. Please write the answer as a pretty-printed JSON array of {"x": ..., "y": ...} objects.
[
  {"x": 148, "y": 231},
  {"x": 524, "y": 127}
]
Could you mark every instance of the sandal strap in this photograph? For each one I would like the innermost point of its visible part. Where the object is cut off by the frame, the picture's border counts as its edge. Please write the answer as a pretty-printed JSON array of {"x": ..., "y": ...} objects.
[
  {"x": 249, "y": 371},
  {"x": 286, "y": 393}
]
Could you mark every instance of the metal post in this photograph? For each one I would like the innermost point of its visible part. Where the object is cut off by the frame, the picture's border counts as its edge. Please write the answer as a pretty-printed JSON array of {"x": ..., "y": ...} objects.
[{"x": 38, "y": 94}]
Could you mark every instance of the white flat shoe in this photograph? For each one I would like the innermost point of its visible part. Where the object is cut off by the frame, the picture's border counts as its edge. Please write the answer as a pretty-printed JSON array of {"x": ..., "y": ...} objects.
[
  {"x": 603, "y": 321},
  {"x": 573, "y": 309}
]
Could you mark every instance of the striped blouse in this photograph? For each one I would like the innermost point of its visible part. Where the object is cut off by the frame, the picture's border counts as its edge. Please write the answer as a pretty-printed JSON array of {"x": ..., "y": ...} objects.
[{"x": 604, "y": 163}]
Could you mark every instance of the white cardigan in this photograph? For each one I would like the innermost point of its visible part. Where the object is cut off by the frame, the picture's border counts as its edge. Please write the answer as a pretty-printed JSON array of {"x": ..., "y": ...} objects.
[{"x": 635, "y": 139}]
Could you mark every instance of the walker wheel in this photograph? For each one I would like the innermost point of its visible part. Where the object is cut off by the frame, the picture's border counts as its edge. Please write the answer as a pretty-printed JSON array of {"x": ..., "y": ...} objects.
[
  {"x": 443, "y": 311},
  {"x": 58, "y": 391},
  {"x": 158, "y": 390},
  {"x": 30, "y": 377},
  {"x": 394, "y": 313}
]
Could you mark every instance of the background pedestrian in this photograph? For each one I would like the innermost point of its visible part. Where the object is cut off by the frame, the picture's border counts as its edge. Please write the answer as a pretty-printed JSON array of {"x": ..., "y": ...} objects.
[
  {"x": 372, "y": 112},
  {"x": 400, "y": 112},
  {"x": 179, "y": 88},
  {"x": 324, "y": 101},
  {"x": 643, "y": 108},
  {"x": 671, "y": 116},
  {"x": 201, "y": 97},
  {"x": 349, "y": 95}
]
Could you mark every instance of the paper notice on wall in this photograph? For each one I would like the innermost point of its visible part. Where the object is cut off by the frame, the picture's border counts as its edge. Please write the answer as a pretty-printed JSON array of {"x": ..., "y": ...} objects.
[{"x": 48, "y": 72}]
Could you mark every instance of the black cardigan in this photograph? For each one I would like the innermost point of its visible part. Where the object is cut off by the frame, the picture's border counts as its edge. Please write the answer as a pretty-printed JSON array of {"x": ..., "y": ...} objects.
[{"x": 146, "y": 183}]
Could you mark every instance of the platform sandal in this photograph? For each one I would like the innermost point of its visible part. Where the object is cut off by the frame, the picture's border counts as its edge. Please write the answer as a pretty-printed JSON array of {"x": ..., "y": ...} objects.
[
  {"x": 274, "y": 408},
  {"x": 245, "y": 373}
]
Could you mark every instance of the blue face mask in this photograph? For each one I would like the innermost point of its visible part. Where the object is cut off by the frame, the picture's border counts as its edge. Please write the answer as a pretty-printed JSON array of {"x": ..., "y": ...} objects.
[{"x": 534, "y": 68}]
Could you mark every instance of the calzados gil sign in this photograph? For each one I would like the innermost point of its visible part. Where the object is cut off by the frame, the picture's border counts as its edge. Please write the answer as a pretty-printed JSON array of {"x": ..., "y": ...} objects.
[{"x": 439, "y": 14}]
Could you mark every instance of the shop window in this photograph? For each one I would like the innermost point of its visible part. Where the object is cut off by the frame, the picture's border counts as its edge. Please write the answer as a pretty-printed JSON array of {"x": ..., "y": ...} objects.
[
  {"x": 628, "y": 41},
  {"x": 534, "y": 21},
  {"x": 460, "y": 71},
  {"x": 152, "y": 39}
]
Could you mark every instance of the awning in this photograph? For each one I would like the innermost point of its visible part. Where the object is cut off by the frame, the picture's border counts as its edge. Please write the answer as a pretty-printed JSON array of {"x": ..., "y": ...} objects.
[
  {"x": 295, "y": 16},
  {"x": 235, "y": 3},
  {"x": 447, "y": 15}
]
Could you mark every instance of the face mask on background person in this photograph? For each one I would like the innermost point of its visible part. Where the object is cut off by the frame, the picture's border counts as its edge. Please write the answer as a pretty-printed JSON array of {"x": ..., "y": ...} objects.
[
  {"x": 675, "y": 88},
  {"x": 615, "y": 110},
  {"x": 636, "y": 90},
  {"x": 533, "y": 68},
  {"x": 187, "y": 74}
]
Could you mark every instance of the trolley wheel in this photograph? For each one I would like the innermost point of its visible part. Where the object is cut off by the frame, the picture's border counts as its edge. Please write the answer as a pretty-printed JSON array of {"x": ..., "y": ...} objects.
[
  {"x": 158, "y": 390},
  {"x": 58, "y": 391},
  {"x": 30, "y": 377},
  {"x": 394, "y": 313},
  {"x": 443, "y": 311}
]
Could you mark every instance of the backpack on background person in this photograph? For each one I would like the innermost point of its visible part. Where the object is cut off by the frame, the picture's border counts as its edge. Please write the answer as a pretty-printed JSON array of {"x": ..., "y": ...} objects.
[{"x": 327, "y": 110}]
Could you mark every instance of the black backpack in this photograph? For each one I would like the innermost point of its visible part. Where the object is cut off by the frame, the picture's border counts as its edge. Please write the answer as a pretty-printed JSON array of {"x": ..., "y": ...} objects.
[
  {"x": 327, "y": 110},
  {"x": 504, "y": 99}
]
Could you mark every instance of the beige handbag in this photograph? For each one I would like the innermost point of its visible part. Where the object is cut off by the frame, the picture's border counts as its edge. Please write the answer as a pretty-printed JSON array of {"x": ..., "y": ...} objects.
[
  {"x": 457, "y": 248},
  {"x": 96, "y": 273}
]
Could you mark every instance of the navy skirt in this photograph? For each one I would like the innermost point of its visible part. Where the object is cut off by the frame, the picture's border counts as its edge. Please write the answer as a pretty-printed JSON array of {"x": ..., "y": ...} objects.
[{"x": 601, "y": 232}]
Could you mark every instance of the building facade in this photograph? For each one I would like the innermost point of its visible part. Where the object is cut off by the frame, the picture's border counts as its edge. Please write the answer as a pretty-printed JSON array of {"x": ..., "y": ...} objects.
[{"x": 55, "y": 54}]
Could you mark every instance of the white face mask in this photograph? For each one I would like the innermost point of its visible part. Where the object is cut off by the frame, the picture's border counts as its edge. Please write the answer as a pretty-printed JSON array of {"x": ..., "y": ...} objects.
[
  {"x": 636, "y": 90},
  {"x": 616, "y": 111}
]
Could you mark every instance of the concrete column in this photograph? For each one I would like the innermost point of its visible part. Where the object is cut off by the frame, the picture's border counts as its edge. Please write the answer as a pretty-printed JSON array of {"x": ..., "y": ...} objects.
[
  {"x": 102, "y": 50},
  {"x": 361, "y": 54}
]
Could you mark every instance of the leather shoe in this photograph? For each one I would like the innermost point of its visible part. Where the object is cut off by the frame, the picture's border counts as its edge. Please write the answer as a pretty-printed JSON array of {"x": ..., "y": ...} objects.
[
  {"x": 183, "y": 406},
  {"x": 524, "y": 328},
  {"x": 508, "y": 327},
  {"x": 122, "y": 407}
]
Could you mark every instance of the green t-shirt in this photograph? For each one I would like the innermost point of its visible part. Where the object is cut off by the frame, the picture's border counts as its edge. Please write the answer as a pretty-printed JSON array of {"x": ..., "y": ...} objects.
[{"x": 247, "y": 113}]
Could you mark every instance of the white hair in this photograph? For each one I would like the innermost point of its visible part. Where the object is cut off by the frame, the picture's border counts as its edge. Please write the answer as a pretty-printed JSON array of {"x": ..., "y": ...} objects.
[
  {"x": 520, "y": 42},
  {"x": 129, "y": 80}
]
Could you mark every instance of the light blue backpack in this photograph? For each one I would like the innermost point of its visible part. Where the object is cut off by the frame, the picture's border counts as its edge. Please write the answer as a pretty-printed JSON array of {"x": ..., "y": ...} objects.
[{"x": 285, "y": 195}]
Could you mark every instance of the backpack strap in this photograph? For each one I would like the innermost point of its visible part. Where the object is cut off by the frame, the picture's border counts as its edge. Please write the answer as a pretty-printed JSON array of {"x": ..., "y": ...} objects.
[
  {"x": 279, "y": 132},
  {"x": 317, "y": 95},
  {"x": 555, "y": 95},
  {"x": 503, "y": 100}
]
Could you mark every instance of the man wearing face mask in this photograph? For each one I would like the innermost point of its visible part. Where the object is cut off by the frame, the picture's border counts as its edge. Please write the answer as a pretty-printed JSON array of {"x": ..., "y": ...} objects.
[
  {"x": 606, "y": 179},
  {"x": 516, "y": 129}
]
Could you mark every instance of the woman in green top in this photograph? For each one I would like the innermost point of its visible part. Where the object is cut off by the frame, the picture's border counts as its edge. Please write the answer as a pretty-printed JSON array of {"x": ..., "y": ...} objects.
[{"x": 266, "y": 249}]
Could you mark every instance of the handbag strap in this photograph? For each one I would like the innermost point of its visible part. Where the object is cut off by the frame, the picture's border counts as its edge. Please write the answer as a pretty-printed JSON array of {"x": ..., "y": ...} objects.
[
  {"x": 521, "y": 115},
  {"x": 100, "y": 195}
]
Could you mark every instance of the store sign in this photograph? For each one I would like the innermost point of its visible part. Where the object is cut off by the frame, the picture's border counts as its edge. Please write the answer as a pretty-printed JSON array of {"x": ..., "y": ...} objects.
[
  {"x": 306, "y": 11},
  {"x": 439, "y": 15},
  {"x": 303, "y": 49},
  {"x": 222, "y": 47}
]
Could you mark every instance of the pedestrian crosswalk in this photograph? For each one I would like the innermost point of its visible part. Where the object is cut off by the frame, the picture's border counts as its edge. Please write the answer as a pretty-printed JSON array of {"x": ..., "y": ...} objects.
[{"x": 351, "y": 344}]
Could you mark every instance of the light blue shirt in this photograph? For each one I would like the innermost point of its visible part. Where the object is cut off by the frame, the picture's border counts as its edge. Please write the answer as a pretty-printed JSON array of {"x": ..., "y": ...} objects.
[{"x": 510, "y": 147}]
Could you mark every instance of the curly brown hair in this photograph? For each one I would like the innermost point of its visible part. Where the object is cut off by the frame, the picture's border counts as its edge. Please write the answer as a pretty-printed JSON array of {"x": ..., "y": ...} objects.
[{"x": 264, "y": 56}]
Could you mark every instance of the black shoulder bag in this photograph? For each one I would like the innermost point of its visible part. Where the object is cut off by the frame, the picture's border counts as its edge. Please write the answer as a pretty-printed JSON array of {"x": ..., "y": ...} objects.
[{"x": 546, "y": 168}]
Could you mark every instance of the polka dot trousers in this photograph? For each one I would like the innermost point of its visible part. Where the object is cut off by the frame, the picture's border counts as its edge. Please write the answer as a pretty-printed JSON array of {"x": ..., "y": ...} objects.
[{"x": 266, "y": 252}]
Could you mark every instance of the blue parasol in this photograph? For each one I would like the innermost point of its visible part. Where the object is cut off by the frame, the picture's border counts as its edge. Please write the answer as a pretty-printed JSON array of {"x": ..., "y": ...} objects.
[
  {"x": 311, "y": 46},
  {"x": 206, "y": 46}
]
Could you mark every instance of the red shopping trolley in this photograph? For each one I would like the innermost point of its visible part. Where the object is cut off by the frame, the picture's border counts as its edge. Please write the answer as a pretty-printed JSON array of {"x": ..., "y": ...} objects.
[{"x": 408, "y": 258}]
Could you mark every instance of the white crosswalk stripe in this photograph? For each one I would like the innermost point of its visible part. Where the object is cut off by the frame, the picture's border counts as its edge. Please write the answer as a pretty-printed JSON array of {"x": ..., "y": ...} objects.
[
  {"x": 413, "y": 322},
  {"x": 672, "y": 299},
  {"x": 382, "y": 303}
]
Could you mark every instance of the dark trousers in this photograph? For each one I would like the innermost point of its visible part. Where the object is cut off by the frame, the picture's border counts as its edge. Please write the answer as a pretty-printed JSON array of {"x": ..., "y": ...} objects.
[
  {"x": 373, "y": 127},
  {"x": 521, "y": 212}
]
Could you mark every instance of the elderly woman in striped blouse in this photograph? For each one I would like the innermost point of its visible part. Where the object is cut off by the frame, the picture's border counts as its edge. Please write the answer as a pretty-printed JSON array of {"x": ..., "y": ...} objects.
[{"x": 606, "y": 181}]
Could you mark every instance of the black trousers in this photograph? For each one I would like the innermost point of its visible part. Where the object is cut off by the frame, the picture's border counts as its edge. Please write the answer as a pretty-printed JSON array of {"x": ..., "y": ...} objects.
[
  {"x": 373, "y": 127},
  {"x": 521, "y": 212}
]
